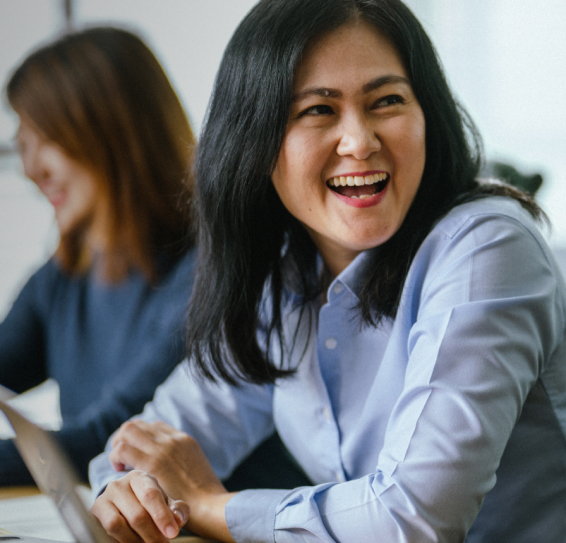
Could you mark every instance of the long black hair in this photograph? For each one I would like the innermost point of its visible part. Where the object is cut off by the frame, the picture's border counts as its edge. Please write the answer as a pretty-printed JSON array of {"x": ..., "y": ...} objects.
[{"x": 244, "y": 230}]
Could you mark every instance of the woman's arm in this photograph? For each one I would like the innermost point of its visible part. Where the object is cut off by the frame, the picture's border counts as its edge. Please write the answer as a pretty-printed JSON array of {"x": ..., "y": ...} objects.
[
  {"x": 22, "y": 345},
  {"x": 22, "y": 360}
]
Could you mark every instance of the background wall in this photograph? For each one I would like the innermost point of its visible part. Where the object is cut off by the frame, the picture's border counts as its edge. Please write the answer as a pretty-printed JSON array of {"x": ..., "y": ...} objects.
[{"x": 506, "y": 60}]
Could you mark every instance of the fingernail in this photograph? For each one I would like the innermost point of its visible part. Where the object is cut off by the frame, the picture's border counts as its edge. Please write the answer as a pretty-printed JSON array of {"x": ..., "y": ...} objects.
[
  {"x": 170, "y": 531},
  {"x": 180, "y": 514}
]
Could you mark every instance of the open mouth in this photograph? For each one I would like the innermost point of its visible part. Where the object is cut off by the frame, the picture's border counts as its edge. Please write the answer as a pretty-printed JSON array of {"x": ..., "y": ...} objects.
[{"x": 359, "y": 187}]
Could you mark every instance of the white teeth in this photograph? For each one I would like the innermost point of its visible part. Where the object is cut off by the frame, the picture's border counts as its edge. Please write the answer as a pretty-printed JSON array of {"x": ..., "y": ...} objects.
[
  {"x": 357, "y": 180},
  {"x": 361, "y": 197}
]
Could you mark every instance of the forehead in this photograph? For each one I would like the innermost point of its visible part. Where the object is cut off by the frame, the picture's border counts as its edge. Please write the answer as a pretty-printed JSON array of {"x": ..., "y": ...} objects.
[{"x": 355, "y": 52}]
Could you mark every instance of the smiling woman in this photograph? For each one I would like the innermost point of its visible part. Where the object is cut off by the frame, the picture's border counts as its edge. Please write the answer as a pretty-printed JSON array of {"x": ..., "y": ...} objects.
[
  {"x": 370, "y": 297},
  {"x": 353, "y": 154}
]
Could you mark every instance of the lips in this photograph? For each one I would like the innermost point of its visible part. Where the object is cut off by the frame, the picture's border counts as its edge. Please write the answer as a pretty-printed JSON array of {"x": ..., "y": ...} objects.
[
  {"x": 55, "y": 195},
  {"x": 57, "y": 199},
  {"x": 359, "y": 186}
]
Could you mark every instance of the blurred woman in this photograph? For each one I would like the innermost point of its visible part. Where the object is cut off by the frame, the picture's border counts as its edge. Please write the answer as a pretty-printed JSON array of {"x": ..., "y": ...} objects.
[{"x": 104, "y": 137}]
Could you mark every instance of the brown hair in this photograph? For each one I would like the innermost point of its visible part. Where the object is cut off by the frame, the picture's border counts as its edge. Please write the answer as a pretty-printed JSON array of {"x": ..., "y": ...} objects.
[{"x": 103, "y": 97}]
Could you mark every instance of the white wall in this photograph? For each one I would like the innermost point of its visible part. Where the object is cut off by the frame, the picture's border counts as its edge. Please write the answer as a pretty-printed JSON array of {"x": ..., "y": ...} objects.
[
  {"x": 26, "y": 220},
  {"x": 506, "y": 60}
]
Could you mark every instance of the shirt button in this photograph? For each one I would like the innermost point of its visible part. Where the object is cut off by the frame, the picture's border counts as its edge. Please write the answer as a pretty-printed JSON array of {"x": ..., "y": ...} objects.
[
  {"x": 326, "y": 413},
  {"x": 338, "y": 288},
  {"x": 330, "y": 343},
  {"x": 339, "y": 477}
]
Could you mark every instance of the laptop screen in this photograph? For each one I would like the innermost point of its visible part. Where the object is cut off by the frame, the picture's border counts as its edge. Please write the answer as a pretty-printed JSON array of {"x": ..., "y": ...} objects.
[{"x": 55, "y": 476}]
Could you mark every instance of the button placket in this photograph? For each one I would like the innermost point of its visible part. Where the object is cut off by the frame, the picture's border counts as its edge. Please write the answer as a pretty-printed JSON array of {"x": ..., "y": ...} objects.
[{"x": 328, "y": 350}]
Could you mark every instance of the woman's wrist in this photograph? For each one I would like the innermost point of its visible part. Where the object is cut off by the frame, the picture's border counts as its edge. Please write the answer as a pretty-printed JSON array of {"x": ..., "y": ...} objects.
[{"x": 207, "y": 516}]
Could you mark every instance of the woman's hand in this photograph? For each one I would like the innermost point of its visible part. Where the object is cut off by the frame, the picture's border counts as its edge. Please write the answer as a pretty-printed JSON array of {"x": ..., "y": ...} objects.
[
  {"x": 135, "y": 508},
  {"x": 181, "y": 468}
]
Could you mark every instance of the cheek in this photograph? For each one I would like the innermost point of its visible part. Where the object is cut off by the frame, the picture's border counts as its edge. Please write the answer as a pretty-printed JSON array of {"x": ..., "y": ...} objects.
[
  {"x": 408, "y": 144},
  {"x": 416, "y": 134},
  {"x": 304, "y": 153},
  {"x": 290, "y": 171}
]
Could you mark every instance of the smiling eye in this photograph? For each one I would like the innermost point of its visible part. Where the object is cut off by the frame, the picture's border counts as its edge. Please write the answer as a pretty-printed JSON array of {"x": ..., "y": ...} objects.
[
  {"x": 389, "y": 101},
  {"x": 319, "y": 109}
]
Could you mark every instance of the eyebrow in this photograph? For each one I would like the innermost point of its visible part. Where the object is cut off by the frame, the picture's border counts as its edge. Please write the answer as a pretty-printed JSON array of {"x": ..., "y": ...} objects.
[
  {"x": 385, "y": 80},
  {"x": 372, "y": 85}
]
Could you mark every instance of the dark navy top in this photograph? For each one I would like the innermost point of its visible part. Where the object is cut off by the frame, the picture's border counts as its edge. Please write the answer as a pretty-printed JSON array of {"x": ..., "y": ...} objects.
[{"x": 107, "y": 346}]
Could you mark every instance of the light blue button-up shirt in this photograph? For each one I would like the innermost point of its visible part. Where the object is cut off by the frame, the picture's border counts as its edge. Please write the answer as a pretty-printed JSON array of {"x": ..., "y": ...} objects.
[{"x": 406, "y": 429}]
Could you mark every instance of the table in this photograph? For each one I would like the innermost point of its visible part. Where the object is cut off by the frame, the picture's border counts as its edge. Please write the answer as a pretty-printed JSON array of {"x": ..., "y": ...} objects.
[{"x": 18, "y": 492}]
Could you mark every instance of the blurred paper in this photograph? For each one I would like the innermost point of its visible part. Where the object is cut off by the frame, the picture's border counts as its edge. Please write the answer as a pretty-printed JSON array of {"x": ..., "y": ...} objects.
[
  {"x": 40, "y": 405},
  {"x": 34, "y": 516}
]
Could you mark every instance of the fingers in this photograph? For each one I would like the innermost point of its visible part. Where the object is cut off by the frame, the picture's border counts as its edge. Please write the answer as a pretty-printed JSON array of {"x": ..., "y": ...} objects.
[
  {"x": 173, "y": 457},
  {"x": 113, "y": 521},
  {"x": 142, "y": 429},
  {"x": 146, "y": 446},
  {"x": 156, "y": 504},
  {"x": 164, "y": 429},
  {"x": 132, "y": 445},
  {"x": 133, "y": 430},
  {"x": 123, "y": 454},
  {"x": 118, "y": 466},
  {"x": 136, "y": 509},
  {"x": 180, "y": 510}
]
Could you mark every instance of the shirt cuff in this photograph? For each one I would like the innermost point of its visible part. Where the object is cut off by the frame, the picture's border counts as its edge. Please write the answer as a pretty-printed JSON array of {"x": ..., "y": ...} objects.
[{"x": 250, "y": 515}]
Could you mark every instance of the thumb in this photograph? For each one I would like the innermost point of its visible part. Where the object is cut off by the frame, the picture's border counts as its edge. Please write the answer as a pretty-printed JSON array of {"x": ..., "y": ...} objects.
[{"x": 180, "y": 510}]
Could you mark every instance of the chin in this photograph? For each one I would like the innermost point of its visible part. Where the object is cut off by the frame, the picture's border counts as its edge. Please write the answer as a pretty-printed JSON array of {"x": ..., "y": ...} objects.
[{"x": 63, "y": 225}]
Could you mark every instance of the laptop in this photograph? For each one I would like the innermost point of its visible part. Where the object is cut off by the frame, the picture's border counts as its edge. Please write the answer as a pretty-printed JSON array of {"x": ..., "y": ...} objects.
[{"x": 55, "y": 476}]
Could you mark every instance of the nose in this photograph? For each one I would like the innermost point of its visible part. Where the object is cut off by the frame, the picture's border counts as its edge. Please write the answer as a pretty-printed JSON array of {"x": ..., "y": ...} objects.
[
  {"x": 34, "y": 166},
  {"x": 358, "y": 139}
]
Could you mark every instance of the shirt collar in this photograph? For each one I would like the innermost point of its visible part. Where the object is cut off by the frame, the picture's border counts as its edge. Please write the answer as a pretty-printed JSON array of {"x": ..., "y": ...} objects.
[{"x": 349, "y": 278}]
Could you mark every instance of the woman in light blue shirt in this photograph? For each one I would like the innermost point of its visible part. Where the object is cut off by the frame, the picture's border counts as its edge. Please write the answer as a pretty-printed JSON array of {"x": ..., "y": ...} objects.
[{"x": 399, "y": 323}]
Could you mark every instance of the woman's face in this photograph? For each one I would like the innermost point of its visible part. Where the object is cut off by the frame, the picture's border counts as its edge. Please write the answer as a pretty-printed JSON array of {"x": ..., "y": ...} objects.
[
  {"x": 68, "y": 185},
  {"x": 354, "y": 150}
]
